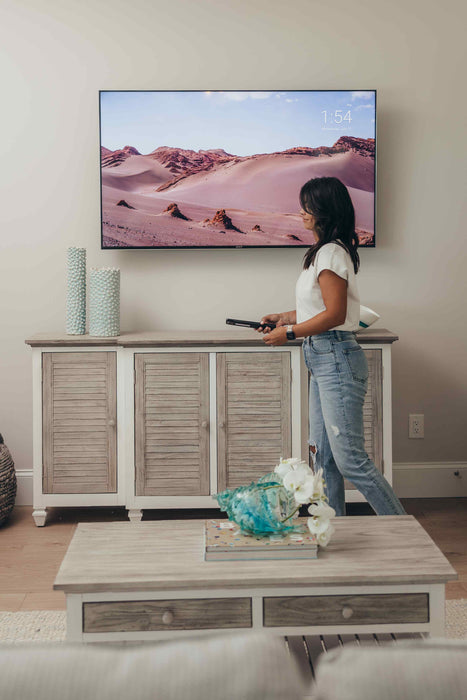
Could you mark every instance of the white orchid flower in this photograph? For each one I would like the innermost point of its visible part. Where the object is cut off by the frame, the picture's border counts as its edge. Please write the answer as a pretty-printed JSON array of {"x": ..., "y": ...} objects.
[
  {"x": 294, "y": 461},
  {"x": 282, "y": 469},
  {"x": 297, "y": 477},
  {"x": 318, "y": 525},
  {"x": 321, "y": 510},
  {"x": 303, "y": 487},
  {"x": 308, "y": 487},
  {"x": 286, "y": 466},
  {"x": 293, "y": 479},
  {"x": 324, "y": 537}
]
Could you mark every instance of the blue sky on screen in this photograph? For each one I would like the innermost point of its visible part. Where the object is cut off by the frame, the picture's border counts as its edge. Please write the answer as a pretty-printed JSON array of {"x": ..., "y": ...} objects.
[{"x": 242, "y": 123}]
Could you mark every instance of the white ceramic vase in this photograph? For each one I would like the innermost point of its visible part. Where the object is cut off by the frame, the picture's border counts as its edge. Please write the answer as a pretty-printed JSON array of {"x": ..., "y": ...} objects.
[
  {"x": 76, "y": 291},
  {"x": 104, "y": 301}
]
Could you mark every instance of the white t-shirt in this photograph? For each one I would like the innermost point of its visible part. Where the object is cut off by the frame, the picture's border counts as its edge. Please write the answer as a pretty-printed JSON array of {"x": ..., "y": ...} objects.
[{"x": 309, "y": 300}]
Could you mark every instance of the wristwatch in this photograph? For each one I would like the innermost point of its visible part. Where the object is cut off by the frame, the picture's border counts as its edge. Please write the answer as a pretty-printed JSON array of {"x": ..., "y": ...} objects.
[{"x": 289, "y": 332}]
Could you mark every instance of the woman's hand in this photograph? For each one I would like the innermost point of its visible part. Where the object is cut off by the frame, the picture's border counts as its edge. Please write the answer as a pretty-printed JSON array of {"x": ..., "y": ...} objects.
[
  {"x": 276, "y": 337},
  {"x": 271, "y": 318},
  {"x": 278, "y": 319}
]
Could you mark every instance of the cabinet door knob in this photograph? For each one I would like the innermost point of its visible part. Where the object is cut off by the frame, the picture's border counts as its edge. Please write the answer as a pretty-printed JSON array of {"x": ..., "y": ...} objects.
[
  {"x": 168, "y": 617},
  {"x": 204, "y": 424},
  {"x": 112, "y": 423},
  {"x": 347, "y": 612},
  {"x": 221, "y": 424}
]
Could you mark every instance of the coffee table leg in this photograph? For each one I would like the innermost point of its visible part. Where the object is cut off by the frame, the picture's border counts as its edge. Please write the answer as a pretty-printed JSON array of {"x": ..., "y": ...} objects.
[
  {"x": 257, "y": 612},
  {"x": 74, "y": 618},
  {"x": 437, "y": 610}
]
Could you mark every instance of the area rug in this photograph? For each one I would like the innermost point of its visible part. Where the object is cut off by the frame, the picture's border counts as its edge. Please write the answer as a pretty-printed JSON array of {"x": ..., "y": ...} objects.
[{"x": 46, "y": 625}]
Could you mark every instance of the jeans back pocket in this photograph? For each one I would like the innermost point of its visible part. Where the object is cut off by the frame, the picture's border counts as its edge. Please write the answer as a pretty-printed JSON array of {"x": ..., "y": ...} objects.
[{"x": 357, "y": 363}]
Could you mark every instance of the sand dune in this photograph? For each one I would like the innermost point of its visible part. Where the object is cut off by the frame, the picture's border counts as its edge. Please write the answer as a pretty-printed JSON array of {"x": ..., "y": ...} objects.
[
  {"x": 259, "y": 194},
  {"x": 271, "y": 182},
  {"x": 136, "y": 174}
]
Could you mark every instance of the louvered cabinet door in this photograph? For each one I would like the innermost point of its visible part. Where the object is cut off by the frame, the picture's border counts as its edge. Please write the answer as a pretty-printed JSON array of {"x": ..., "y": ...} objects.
[
  {"x": 253, "y": 415},
  {"x": 79, "y": 438},
  {"x": 373, "y": 411},
  {"x": 172, "y": 424}
]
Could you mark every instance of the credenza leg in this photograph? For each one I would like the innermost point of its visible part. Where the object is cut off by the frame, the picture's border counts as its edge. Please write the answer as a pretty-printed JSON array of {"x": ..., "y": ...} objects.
[
  {"x": 135, "y": 515},
  {"x": 40, "y": 516}
]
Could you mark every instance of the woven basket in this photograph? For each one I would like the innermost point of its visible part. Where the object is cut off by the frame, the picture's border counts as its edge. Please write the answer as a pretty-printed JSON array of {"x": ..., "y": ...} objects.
[{"x": 7, "y": 482}]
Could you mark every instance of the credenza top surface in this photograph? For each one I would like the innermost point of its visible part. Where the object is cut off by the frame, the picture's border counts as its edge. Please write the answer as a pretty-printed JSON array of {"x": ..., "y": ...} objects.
[
  {"x": 169, "y": 554},
  {"x": 185, "y": 338}
]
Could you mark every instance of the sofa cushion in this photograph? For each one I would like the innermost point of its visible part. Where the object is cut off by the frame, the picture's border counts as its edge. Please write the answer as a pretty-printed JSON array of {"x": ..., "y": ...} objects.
[
  {"x": 429, "y": 669},
  {"x": 247, "y": 666}
]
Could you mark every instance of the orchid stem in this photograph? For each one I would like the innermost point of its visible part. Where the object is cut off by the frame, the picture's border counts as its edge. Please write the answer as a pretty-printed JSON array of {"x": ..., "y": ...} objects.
[{"x": 291, "y": 515}]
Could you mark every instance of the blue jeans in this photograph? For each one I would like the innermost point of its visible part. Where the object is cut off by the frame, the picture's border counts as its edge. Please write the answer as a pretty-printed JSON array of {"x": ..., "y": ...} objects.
[{"x": 338, "y": 384}]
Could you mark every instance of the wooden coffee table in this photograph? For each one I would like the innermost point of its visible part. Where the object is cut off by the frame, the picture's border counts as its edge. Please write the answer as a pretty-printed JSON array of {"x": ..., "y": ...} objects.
[{"x": 149, "y": 580}]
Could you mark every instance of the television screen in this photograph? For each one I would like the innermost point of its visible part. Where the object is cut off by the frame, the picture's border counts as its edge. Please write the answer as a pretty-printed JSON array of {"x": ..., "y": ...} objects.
[{"x": 223, "y": 169}]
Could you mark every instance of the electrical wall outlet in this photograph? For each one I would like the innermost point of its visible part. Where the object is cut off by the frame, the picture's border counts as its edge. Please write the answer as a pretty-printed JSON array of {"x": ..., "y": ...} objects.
[{"x": 416, "y": 425}]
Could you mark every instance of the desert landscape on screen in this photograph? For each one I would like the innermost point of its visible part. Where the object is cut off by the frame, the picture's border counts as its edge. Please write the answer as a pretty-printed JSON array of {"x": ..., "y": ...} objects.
[{"x": 175, "y": 197}]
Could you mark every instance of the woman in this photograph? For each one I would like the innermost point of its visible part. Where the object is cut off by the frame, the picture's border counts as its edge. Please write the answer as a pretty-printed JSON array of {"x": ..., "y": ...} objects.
[{"x": 327, "y": 315}]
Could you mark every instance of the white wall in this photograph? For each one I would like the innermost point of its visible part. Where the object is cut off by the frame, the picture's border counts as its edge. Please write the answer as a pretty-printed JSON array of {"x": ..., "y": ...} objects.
[{"x": 56, "y": 54}]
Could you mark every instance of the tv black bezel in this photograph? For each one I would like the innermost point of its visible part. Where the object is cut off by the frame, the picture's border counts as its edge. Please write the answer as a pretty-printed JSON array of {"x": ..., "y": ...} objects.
[{"x": 233, "y": 247}]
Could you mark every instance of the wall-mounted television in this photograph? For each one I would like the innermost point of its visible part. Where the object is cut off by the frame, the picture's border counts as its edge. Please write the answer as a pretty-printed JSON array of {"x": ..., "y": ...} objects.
[{"x": 223, "y": 169}]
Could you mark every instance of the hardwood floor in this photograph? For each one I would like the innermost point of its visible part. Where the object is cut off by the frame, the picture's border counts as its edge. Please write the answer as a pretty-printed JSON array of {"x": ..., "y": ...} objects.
[{"x": 30, "y": 556}]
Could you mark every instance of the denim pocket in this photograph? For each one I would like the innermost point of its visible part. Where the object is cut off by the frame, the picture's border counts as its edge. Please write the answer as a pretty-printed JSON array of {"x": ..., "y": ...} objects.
[
  {"x": 320, "y": 346},
  {"x": 357, "y": 363}
]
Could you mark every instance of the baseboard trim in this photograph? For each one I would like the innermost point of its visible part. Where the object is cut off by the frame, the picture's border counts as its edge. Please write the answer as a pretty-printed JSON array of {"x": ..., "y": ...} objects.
[
  {"x": 410, "y": 480},
  {"x": 403, "y": 466},
  {"x": 24, "y": 491},
  {"x": 430, "y": 479}
]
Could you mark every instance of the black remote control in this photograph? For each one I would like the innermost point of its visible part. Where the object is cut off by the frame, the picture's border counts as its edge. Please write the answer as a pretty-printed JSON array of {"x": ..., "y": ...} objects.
[{"x": 249, "y": 324}]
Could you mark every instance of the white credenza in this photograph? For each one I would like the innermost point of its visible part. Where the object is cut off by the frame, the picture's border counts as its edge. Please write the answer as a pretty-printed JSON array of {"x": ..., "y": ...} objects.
[{"x": 166, "y": 419}]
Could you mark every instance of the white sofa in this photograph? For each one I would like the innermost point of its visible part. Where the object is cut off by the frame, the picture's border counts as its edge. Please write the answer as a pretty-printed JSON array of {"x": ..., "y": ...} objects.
[
  {"x": 227, "y": 667},
  {"x": 428, "y": 669},
  {"x": 231, "y": 667}
]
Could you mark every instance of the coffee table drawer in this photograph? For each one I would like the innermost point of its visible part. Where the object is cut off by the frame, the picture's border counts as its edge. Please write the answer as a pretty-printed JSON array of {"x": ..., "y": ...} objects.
[
  {"x": 299, "y": 611},
  {"x": 152, "y": 615}
]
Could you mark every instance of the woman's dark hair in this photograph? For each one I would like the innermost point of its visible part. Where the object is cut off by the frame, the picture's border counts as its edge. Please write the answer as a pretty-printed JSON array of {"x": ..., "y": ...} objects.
[{"x": 328, "y": 200}]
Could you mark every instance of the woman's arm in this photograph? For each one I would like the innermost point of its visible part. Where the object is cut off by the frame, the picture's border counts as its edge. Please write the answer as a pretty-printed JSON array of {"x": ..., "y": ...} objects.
[
  {"x": 288, "y": 317},
  {"x": 334, "y": 292}
]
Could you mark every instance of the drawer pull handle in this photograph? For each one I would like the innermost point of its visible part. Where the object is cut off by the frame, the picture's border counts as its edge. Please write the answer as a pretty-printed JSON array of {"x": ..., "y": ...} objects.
[
  {"x": 204, "y": 424},
  {"x": 347, "y": 612},
  {"x": 168, "y": 617}
]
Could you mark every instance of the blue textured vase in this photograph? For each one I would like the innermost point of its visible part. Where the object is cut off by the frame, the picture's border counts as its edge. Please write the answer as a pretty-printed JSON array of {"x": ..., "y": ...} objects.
[{"x": 264, "y": 507}]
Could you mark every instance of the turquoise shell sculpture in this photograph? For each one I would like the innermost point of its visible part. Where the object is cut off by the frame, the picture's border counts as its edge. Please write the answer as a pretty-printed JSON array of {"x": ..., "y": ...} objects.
[{"x": 264, "y": 507}]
